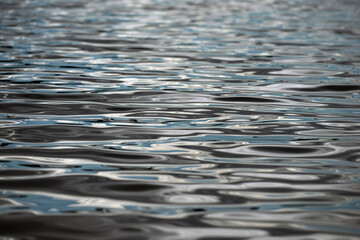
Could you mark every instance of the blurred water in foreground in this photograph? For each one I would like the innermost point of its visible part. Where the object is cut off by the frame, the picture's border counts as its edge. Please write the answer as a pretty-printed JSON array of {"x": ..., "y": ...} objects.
[{"x": 171, "y": 120}]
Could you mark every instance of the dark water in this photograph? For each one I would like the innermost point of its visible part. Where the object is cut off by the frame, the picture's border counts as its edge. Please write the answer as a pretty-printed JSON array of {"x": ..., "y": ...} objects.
[{"x": 171, "y": 120}]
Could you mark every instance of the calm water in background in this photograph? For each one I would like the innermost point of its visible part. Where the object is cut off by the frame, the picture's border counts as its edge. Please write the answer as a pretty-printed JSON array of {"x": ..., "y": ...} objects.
[{"x": 169, "y": 120}]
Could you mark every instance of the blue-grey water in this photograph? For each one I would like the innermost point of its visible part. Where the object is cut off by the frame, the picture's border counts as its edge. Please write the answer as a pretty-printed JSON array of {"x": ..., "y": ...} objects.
[{"x": 180, "y": 120}]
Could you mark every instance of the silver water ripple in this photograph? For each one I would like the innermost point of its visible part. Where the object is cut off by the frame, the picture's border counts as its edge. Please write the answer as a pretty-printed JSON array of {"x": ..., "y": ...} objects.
[{"x": 174, "y": 120}]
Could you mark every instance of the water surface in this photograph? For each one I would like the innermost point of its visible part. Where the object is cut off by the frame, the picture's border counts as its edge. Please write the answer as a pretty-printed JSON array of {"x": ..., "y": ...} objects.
[{"x": 172, "y": 120}]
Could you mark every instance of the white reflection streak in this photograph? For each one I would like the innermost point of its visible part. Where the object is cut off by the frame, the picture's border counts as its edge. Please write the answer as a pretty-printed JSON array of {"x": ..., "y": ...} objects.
[{"x": 180, "y": 233}]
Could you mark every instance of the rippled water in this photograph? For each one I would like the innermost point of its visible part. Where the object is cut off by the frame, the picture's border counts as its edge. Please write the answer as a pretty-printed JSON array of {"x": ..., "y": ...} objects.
[{"x": 169, "y": 120}]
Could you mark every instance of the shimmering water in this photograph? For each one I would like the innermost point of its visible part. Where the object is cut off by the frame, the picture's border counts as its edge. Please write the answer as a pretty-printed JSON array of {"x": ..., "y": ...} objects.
[{"x": 171, "y": 120}]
